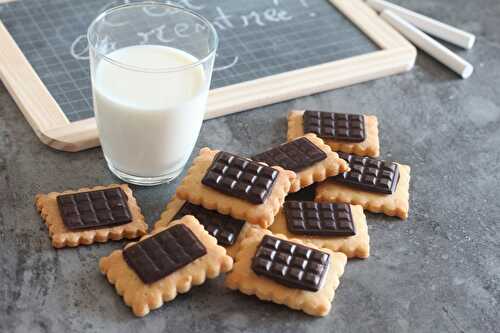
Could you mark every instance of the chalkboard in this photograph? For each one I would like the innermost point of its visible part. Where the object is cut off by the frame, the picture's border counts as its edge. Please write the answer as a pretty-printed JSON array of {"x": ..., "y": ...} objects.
[{"x": 258, "y": 39}]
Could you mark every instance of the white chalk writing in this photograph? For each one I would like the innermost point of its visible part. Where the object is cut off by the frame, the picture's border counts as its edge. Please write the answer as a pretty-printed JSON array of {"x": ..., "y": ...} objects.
[
  {"x": 181, "y": 29},
  {"x": 229, "y": 65},
  {"x": 157, "y": 11},
  {"x": 199, "y": 27},
  {"x": 252, "y": 16},
  {"x": 275, "y": 15},
  {"x": 166, "y": 34},
  {"x": 80, "y": 48},
  {"x": 222, "y": 20},
  {"x": 114, "y": 22},
  {"x": 189, "y": 4},
  {"x": 158, "y": 32}
]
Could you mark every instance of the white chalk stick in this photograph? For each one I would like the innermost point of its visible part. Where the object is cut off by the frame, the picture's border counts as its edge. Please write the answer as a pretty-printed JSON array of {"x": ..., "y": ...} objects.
[
  {"x": 432, "y": 27},
  {"x": 428, "y": 44}
]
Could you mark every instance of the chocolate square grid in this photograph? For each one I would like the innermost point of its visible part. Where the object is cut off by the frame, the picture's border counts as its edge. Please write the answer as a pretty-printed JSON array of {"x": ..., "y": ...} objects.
[
  {"x": 291, "y": 264},
  {"x": 336, "y": 126},
  {"x": 320, "y": 219},
  {"x": 223, "y": 227},
  {"x": 295, "y": 155},
  {"x": 164, "y": 253},
  {"x": 369, "y": 174},
  {"x": 94, "y": 209},
  {"x": 240, "y": 177}
]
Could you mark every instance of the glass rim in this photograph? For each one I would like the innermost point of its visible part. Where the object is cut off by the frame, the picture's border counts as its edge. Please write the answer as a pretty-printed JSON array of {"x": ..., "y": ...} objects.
[{"x": 213, "y": 32}]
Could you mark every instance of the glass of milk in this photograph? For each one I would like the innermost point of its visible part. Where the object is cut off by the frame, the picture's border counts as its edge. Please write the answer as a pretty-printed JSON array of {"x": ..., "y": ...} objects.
[{"x": 151, "y": 65}]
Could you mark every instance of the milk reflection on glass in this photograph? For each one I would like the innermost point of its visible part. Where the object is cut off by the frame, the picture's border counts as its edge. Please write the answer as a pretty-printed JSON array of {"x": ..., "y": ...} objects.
[{"x": 150, "y": 95}]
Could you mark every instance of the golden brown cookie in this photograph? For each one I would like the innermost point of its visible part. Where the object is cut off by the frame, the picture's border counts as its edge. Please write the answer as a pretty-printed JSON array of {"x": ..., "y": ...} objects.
[
  {"x": 396, "y": 204},
  {"x": 356, "y": 246},
  {"x": 369, "y": 147},
  {"x": 193, "y": 190},
  {"x": 61, "y": 236},
  {"x": 330, "y": 166},
  {"x": 244, "y": 279},
  {"x": 143, "y": 297},
  {"x": 173, "y": 208}
]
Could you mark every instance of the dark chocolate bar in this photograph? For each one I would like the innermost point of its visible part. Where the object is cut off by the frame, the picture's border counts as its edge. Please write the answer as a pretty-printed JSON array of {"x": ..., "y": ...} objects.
[
  {"x": 295, "y": 155},
  {"x": 164, "y": 253},
  {"x": 240, "y": 177},
  {"x": 223, "y": 227},
  {"x": 336, "y": 126},
  {"x": 291, "y": 264},
  {"x": 305, "y": 194},
  {"x": 320, "y": 219},
  {"x": 369, "y": 174},
  {"x": 94, "y": 209}
]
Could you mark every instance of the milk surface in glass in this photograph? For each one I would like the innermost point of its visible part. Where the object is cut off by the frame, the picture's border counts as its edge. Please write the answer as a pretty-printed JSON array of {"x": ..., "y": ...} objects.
[{"x": 149, "y": 121}]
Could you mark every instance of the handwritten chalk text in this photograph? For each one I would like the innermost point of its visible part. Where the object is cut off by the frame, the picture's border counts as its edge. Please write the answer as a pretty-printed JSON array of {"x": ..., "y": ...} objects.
[{"x": 222, "y": 21}]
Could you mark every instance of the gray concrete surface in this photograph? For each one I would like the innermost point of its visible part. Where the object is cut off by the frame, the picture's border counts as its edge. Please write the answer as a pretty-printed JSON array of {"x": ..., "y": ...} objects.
[{"x": 437, "y": 272}]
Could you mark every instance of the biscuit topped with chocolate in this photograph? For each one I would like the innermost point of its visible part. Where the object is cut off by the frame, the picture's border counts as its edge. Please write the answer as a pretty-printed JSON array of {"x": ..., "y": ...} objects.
[
  {"x": 236, "y": 186},
  {"x": 343, "y": 132},
  {"x": 377, "y": 185},
  {"x": 90, "y": 215},
  {"x": 308, "y": 156},
  {"x": 228, "y": 231},
  {"x": 169, "y": 261},
  {"x": 286, "y": 271}
]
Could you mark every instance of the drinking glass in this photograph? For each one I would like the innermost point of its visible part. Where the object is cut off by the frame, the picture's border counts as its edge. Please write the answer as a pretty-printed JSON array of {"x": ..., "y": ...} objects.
[{"x": 151, "y": 65}]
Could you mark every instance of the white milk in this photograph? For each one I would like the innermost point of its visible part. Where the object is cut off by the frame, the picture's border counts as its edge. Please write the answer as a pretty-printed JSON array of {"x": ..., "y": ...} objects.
[{"x": 148, "y": 122}]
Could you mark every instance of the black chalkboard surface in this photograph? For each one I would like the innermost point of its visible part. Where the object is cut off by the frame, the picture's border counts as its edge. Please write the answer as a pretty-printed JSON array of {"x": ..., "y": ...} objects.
[
  {"x": 269, "y": 51},
  {"x": 257, "y": 38}
]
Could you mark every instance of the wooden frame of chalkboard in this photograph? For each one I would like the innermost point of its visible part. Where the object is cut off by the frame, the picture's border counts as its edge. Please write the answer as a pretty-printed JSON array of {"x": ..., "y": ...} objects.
[{"x": 54, "y": 129}]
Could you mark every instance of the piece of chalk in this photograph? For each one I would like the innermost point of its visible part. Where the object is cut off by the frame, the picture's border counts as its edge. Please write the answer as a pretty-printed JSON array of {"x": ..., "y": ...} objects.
[
  {"x": 428, "y": 44},
  {"x": 432, "y": 27}
]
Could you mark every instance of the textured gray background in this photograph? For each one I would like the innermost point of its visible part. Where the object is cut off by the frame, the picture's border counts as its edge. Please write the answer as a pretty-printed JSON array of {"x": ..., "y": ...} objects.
[{"x": 437, "y": 272}]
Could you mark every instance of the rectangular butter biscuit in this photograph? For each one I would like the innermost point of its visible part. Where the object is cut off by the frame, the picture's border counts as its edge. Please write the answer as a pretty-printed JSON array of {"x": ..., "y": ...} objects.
[
  {"x": 143, "y": 297},
  {"x": 173, "y": 208},
  {"x": 61, "y": 236},
  {"x": 396, "y": 204},
  {"x": 244, "y": 279},
  {"x": 193, "y": 190},
  {"x": 369, "y": 147},
  {"x": 356, "y": 246},
  {"x": 331, "y": 166}
]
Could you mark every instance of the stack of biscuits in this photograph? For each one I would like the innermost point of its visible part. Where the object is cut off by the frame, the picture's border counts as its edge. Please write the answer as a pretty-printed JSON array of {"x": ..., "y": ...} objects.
[{"x": 229, "y": 215}]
